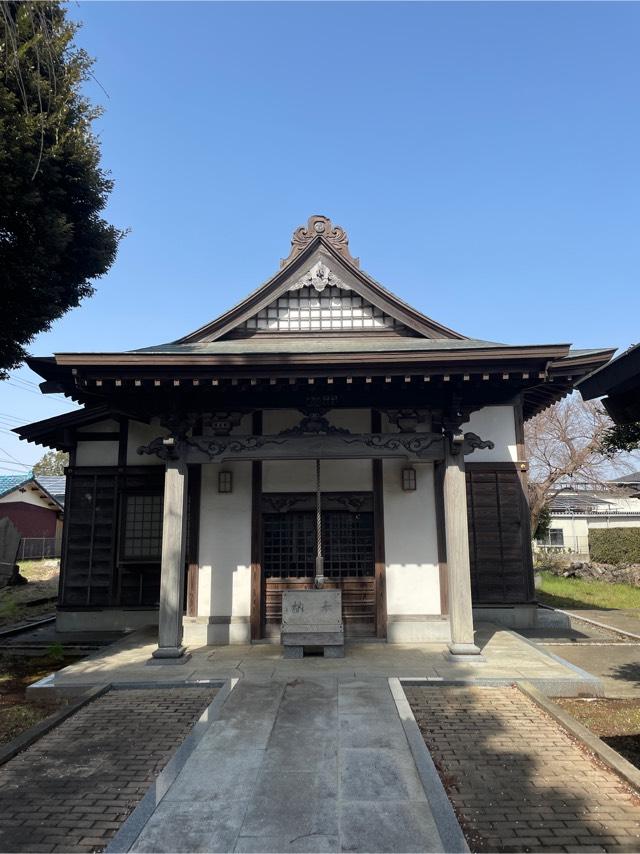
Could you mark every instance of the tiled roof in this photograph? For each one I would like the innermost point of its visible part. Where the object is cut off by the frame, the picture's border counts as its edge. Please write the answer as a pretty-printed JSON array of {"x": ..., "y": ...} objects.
[
  {"x": 9, "y": 482},
  {"x": 54, "y": 484},
  {"x": 364, "y": 344}
]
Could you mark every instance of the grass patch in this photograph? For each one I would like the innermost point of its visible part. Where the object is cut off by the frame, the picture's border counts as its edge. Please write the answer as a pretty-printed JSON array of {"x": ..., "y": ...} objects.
[
  {"x": 616, "y": 722},
  {"x": 42, "y": 576},
  {"x": 578, "y": 593},
  {"x": 16, "y": 673},
  {"x": 40, "y": 570}
]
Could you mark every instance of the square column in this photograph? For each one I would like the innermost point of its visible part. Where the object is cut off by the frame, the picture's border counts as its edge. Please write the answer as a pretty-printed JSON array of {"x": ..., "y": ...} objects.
[
  {"x": 174, "y": 539},
  {"x": 459, "y": 567}
]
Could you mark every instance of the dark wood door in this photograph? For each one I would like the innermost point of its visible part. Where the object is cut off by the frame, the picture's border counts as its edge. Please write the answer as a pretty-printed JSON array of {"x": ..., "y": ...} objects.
[
  {"x": 499, "y": 546},
  {"x": 288, "y": 563}
]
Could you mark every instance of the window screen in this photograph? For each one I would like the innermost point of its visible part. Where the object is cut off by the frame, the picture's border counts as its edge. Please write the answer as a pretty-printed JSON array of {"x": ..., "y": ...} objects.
[{"x": 142, "y": 538}]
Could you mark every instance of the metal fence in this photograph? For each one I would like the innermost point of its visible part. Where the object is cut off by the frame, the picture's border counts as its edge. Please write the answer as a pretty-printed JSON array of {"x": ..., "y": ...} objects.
[
  {"x": 36, "y": 548},
  {"x": 570, "y": 545}
]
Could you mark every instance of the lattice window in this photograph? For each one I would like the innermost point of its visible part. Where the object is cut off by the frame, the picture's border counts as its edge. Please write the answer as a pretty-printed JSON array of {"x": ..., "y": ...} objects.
[
  {"x": 289, "y": 545},
  {"x": 142, "y": 538},
  {"x": 333, "y": 309},
  {"x": 347, "y": 544}
]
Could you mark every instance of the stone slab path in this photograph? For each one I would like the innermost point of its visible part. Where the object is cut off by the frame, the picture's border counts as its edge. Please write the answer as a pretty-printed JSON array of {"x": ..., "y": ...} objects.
[
  {"x": 74, "y": 787},
  {"x": 305, "y": 764},
  {"x": 518, "y": 781},
  {"x": 506, "y": 656}
]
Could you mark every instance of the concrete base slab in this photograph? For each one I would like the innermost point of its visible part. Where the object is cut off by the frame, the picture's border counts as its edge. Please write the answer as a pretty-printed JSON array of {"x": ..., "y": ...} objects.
[
  {"x": 334, "y": 651},
  {"x": 182, "y": 658},
  {"x": 293, "y": 652},
  {"x": 508, "y": 657}
]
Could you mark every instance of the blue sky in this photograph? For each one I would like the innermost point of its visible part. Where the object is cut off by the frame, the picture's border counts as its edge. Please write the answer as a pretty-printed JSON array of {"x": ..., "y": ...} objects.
[{"x": 482, "y": 157}]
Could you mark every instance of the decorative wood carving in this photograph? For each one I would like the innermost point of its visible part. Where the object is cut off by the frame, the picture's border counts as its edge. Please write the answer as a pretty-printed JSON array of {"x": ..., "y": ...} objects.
[
  {"x": 272, "y": 503},
  {"x": 354, "y": 503},
  {"x": 320, "y": 226},
  {"x": 230, "y": 445},
  {"x": 314, "y": 423},
  {"x": 473, "y": 442},
  {"x": 407, "y": 420},
  {"x": 165, "y": 448},
  {"x": 467, "y": 443},
  {"x": 417, "y": 444},
  {"x": 319, "y": 277},
  {"x": 220, "y": 423}
]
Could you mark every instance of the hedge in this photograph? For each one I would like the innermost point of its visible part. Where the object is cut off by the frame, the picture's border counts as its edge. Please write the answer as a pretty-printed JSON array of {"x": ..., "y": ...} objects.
[{"x": 614, "y": 545}]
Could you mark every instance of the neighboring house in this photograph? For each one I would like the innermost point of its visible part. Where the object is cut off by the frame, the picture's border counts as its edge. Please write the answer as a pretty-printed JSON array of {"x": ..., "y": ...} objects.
[
  {"x": 55, "y": 486},
  {"x": 579, "y": 509},
  {"x": 321, "y": 422},
  {"x": 35, "y": 511}
]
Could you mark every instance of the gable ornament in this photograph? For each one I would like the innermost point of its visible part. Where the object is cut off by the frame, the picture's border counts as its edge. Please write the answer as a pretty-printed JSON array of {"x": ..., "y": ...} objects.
[
  {"x": 319, "y": 277},
  {"x": 320, "y": 226}
]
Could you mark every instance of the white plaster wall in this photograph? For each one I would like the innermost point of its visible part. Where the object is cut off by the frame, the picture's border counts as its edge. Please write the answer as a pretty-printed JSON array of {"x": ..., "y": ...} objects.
[
  {"x": 27, "y": 497},
  {"x": 224, "y": 585},
  {"x": 300, "y": 476},
  {"x": 411, "y": 546},
  {"x": 97, "y": 454},
  {"x": 141, "y": 434},
  {"x": 496, "y": 423},
  {"x": 575, "y": 533},
  {"x": 614, "y": 522}
]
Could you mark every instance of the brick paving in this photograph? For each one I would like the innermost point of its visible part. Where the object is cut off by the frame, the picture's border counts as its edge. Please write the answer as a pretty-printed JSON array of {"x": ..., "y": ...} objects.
[
  {"x": 517, "y": 780},
  {"x": 73, "y": 788}
]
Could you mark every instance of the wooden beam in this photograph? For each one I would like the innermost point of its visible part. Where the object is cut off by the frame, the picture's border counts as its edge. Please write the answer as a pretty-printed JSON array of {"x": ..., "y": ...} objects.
[
  {"x": 438, "y": 488},
  {"x": 123, "y": 441},
  {"x": 378, "y": 536},
  {"x": 193, "y": 538},
  {"x": 256, "y": 537}
]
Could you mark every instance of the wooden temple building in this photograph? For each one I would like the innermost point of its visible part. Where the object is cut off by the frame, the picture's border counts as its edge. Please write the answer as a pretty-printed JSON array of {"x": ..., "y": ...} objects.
[{"x": 320, "y": 418}]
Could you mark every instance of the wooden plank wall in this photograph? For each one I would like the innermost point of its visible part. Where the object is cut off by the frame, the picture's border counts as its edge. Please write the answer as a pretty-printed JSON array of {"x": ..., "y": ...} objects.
[{"x": 499, "y": 542}]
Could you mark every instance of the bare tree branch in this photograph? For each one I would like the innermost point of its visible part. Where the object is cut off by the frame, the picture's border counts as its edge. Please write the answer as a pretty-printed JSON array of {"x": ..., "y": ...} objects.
[{"x": 564, "y": 442}]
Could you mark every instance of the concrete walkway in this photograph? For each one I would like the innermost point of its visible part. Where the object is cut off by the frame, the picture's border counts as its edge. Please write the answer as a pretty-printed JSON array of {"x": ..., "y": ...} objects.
[
  {"x": 624, "y": 620},
  {"x": 506, "y": 657},
  {"x": 308, "y": 764},
  {"x": 613, "y": 658}
]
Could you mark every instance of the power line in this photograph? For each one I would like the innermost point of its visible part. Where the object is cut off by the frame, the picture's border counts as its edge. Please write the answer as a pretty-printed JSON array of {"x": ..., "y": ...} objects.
[
  {"x": 60, "y": 398},
  {"x": 22, "y": 380},
  {"x": 4, "y": 451}
]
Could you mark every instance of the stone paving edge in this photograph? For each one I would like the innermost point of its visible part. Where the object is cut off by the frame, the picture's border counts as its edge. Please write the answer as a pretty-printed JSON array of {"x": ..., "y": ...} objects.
[
  {"x": 31, "y": 735},
  {"x": 135, "y": 823},
  {"x": 617, "y": 763},
  {"x": 447, "y": 825},
  {"x": 577, "y": 616},
  {"x": 593, "y": 682}
]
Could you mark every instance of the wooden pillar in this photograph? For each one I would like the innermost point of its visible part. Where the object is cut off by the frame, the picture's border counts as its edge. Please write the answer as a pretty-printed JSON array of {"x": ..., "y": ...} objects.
[
  {"x": 174, "y": 536},
  {"x": 458, "y": 564},
  {"x": 378, "y": 534},
  {"x": 193, "y": 538}
]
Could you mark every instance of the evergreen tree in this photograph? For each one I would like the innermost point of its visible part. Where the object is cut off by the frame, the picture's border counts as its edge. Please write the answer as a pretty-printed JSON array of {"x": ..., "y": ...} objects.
[
  {"x": 52, "y": 463},
  {"x": 53, "y": 241}
]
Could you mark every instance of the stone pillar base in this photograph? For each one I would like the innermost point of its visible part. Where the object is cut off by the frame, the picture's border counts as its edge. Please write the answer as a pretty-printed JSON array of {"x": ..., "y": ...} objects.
[
  {"x": 464, "y": 653},
  {"x": 169, "y": 655}
]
